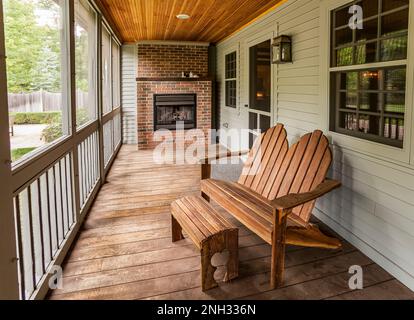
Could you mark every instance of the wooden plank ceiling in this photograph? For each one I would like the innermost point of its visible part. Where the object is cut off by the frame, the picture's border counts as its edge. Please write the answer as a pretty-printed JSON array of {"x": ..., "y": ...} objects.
[{"x": 211, "y": 20}]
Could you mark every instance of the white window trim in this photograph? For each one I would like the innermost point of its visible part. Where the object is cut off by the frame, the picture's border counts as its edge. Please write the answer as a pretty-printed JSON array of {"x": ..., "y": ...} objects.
[
  {"x": 230, "y": 79},
  {"x": 237, "y": 79},
  {"x": 387, "y": 153}
]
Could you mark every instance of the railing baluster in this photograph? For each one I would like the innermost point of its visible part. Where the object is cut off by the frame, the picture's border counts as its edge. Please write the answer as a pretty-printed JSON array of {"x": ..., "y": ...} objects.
[
  {"x": 49, "y": 216},
  {"x": 56, "y": 209},
  {"x": 20, "y": 247},
  {"x": 32, "y": 249},
  {"x": 70, "y": 187},
  {"x": 94, "y": 159},
  {"x": 90, "y": 165},
  {"x": 40, "y": 213},
  {"x": 62, "y": 214},
  {"x": 87, "y": 178},
  {"x": 80, "y": 174},
  {"x": 66, "y": 197},
  {"x": 85, "y": 191}
]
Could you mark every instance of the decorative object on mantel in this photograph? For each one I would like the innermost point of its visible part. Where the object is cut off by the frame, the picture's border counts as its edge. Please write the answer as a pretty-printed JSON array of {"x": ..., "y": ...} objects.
[
  {"x": 189, "y": 75},
  {"x": 282, "y": 50}
]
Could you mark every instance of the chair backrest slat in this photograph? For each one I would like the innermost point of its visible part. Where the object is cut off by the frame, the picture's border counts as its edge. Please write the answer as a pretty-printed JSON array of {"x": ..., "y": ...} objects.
[
  {"x": 273, "y": 170},
  {"x": 305, "y": 212},
  {"x": 260, "y": 154}
]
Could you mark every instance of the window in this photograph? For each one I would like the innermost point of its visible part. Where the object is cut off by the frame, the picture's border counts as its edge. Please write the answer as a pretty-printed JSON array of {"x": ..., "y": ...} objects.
[
  {"x": 368, "y": 72},
  {"x": 85, "y": 63},
  {"x": 106, "y": 71},
  {"x": 37, "y": 75},
  {"x": 231, "y": 80},
  {"x": 116, "y": 75}
]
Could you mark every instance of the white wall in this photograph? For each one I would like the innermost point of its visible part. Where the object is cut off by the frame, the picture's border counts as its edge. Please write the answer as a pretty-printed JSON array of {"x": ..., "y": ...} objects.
[
  {"x": 129, "y": 93},
  {"x": 374, "y": 210}
]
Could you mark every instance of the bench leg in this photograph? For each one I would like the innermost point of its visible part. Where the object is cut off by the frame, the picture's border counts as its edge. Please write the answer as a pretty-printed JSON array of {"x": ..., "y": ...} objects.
[
  {"x": 177, "y": 231},
  {"x": 278, "y": 253},
  {"x": 233, "y": 262},
  {"x": 207, "y": 270}
]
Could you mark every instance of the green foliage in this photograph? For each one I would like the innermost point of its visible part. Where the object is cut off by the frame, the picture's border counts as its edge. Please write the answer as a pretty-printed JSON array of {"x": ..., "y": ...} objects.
[
  {"x": 36, "y": 117},
  {"x": 54, "y": 130},
  {"x": 33, "y": 48},
  {"x": 82, "y": 58},
  {"x": 19, "y": 153}
]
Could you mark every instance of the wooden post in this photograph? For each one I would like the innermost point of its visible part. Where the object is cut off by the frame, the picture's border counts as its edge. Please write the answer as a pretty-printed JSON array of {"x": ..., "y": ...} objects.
[
  {"x": 278, "y": 248},
  {"x": 9, "y": 280}
]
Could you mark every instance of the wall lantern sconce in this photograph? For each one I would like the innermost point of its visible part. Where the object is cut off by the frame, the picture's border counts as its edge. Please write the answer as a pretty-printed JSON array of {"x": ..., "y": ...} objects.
[{"x": 282, "y": 50}]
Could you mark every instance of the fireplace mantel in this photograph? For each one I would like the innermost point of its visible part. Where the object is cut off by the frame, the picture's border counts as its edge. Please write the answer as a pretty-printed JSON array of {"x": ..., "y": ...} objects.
[{"x": 176, "y": 79}]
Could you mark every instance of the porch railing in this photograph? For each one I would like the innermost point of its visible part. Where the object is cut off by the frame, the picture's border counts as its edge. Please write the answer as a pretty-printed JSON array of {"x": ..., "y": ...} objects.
[{"x": 50, "y": 207}]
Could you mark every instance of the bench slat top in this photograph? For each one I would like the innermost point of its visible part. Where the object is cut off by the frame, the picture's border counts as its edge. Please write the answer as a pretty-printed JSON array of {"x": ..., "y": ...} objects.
[{"x": 199, "y": 219}]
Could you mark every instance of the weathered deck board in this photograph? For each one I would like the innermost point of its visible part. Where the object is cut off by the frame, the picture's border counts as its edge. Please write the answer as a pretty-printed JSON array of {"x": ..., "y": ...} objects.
[{"x": 124, "y": 250}]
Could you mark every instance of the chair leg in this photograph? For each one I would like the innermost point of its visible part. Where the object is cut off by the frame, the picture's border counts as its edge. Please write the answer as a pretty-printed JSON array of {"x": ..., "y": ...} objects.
[
  {"x": 205, "y": 174},
  {"x": 206, "y": 197},
  {"x": 278, "y": 252},
  {"x": 233, "y": 262},
  {"x": 177, "y": 231}
]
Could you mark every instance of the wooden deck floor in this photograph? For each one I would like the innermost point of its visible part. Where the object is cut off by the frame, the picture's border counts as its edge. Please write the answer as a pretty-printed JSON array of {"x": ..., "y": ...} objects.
[{"x": 125, "y": 252}]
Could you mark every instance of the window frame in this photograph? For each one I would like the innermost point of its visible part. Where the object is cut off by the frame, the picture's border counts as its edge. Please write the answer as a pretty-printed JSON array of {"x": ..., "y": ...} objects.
[
  {"x": 67, "y": 115},
  {"x": 390, "y": 154},
  {"x": 105, "y": 28},
  {"x": 114, "y": 41},
  {"x": 95, "y": 72},
  {"x": 233, "y": 80},
  {"x": 356, "y": 67}
]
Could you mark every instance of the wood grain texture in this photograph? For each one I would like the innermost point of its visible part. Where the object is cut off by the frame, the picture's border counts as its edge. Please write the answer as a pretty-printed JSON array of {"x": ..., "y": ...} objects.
[
  {"x": 125, "y": 251},
  {"x": 211, "y": 20},
  {"x": 289, "y": 192}
]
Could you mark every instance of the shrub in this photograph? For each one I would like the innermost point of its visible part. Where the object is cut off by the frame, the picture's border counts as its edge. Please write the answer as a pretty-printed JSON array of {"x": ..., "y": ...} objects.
[
  {"x": 54, "y": 130},
  {"x": 21, "y": 118}
]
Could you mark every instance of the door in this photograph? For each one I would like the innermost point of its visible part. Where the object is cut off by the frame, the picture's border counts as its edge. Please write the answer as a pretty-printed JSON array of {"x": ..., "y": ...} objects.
[{"x": 260, "y": 82}]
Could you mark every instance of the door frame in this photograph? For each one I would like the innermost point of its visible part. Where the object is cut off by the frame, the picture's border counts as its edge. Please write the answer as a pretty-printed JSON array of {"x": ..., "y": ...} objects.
[{"x": 249, "y": 43}]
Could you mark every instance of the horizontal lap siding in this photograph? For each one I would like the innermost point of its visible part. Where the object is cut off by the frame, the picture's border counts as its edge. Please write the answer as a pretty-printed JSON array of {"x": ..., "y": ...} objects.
[
  {"x": 375, "y": 207},
  {"x": 297, "y": 85},
  {"x": 129, "y": 94}
]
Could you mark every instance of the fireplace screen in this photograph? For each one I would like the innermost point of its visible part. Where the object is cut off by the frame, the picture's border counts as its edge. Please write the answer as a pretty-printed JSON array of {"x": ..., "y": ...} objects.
[{"x": 169, "y": 110}]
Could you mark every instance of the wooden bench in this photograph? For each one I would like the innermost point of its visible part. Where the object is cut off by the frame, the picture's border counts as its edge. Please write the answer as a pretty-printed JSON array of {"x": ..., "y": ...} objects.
[{"x": 210, "y": 232}]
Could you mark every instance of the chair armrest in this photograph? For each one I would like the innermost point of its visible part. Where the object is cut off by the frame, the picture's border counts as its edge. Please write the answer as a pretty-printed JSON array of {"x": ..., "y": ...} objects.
[
  {"x": 291, "y": 201},
  {"x": 219, "y": 156}
]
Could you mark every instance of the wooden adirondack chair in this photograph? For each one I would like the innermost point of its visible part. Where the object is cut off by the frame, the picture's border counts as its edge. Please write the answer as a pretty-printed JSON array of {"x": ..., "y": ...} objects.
[{"x": 277, "y": 192}]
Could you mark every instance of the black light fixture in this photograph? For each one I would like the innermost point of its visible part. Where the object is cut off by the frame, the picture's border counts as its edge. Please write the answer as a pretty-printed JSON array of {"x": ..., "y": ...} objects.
[{"x": 282, "y": 50}]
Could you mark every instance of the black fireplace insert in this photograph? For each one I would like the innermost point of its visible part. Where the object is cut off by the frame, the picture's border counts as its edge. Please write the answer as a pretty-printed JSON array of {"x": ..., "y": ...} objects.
[{"x": 172, "y": 109}]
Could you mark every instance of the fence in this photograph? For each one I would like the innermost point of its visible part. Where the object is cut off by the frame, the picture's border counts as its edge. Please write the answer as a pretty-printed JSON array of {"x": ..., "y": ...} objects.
[{"x": 42, "y": 101}]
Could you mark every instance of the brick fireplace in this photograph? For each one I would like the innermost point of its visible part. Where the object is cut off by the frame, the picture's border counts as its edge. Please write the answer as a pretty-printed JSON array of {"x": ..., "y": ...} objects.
[{"x": 165, "y": 96}]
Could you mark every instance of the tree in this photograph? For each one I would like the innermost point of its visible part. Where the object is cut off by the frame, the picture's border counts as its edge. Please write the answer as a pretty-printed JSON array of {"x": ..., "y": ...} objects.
[{"x": 33, "y": 46}]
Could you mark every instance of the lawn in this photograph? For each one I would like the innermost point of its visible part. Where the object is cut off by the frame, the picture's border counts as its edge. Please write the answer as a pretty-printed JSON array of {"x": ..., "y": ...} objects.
[{"x": 19, "y": 153}]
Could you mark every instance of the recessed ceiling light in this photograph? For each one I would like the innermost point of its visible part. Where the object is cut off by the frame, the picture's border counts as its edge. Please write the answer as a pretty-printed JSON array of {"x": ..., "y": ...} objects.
[{"x": 183, "y": 16}]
